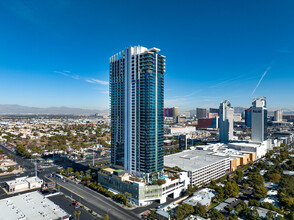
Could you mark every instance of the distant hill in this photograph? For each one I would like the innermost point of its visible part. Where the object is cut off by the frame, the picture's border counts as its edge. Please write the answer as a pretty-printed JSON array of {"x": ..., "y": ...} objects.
[
  {"x": 239, "y": 109},
  {"x": 19, "y": 109}
]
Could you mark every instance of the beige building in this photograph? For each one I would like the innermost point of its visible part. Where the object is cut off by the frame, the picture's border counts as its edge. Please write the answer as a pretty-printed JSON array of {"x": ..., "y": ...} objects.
[
  {"x": 23, "y": 184},
  {"x": 242, "y": 160}
]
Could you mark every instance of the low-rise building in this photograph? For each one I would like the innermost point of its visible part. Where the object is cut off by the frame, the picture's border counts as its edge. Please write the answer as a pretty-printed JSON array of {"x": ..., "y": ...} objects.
[
  {"x": 259, "y": 148},
  {"x": 262, "y": 212},
  {"x": 201, "y": 197},
  {"x": 145, "y": 190},
  {"x": 180, "y": 130},
  {"x": 29, "y": 206},
  {"x": 202, "y": 166},
  {"x": 23, "y": 184},
  {"x": 6, "y": 163}
]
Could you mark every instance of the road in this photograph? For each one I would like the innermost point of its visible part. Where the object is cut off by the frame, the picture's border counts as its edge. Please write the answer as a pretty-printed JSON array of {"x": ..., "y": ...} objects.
[
  {"x": 24, "y": 163},
  {"x": 95, "y": 201},
  {"x": 68, "y": 206}
]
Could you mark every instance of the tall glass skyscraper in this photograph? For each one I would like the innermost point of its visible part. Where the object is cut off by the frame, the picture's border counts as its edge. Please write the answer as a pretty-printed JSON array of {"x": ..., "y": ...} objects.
[{"x": 137, "y": 101}]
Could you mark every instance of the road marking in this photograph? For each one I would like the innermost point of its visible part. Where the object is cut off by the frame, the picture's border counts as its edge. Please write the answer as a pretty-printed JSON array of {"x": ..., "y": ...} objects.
[
  {"x": 3, "y": 194},
  {"x": 66, "y": 188}
]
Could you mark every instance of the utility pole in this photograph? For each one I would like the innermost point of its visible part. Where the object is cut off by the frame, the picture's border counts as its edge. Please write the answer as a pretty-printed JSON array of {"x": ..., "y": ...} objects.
[
  {"x": 93, "y": 157},
  {"x": 36, "y": 173}
]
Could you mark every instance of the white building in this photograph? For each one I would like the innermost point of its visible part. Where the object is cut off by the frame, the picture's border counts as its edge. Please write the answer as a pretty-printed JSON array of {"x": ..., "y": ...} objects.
[
  {"x": 259, "y": 120},
  {"x": 201, "y": 197},
  {"x": 31, "y": 206},
  {"x": 278, "y": 115},
  {"x": 202, "y": 166},
  {"x": 226, "y": 121},
  {"x": 180, "y": 130},
  {"x": 237, "y": 117},
  {"x": 259, "y": 148},
  {"x": 23, "y": 184},
  {"x": 145, "y": 191}
]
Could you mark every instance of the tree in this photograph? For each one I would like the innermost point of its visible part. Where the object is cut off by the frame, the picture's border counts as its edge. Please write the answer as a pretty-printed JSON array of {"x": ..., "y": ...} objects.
[
  {"x": 290, "y": 216},
  {"x": 212, "y": 184},
  {"x": 231, "y": 188},
  {"x": 129, "y": 196},
  {"x": 233, "y": 217},
  {"x": 191, "y": 189},
  {"x": 22, "y": 150},
  {"x": 269, "y": 215},
  {"x": 75, "y": 214},
  {"x": 79, "y": 212},
  {"x": 152, "y": 214},
  {"x": 260, "y": 192},
  {"x": 183, "y": 210},
  {"x": 245, "y": 185},
  {"x": 200, "y": 210},
  {"x": 216, "y": 215},
  {"x": 219, "y": 193},
  {"x": 254, "y": 179},
  {"x": 241, "y": 207},
  {"x": 10, "y": 169},
  {"x": 106, "y": 217},
  {"x": 253, "y": 202},
  {"x": 274, "y": 177},
  {"x": 239, "y": 174},
  {"x": 250, "y": 214}
]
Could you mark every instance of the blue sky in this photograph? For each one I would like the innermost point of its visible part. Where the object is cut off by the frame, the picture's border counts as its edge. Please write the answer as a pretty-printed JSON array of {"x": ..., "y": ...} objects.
[{"x": 56, "y": 53}]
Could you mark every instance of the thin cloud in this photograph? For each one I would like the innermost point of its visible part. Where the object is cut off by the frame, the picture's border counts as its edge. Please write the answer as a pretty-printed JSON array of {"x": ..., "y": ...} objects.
[
  {"x": 228, "y": 81},
  {"x": 67, "y": 73},
  {"x": 263, "y": 75},
  {"x": 97, "y": 81}
]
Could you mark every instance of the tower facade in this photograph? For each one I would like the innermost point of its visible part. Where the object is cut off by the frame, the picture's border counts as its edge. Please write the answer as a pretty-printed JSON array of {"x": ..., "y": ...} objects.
[
  {"x": 226, "y": 121},
  {"x": 137, "y": 100},
  {"x": 201, "y": 113},
  {"x": 248, "y": 113},
  {"x": 278, "y": 115},
  {"x": 259, "y": 119}
]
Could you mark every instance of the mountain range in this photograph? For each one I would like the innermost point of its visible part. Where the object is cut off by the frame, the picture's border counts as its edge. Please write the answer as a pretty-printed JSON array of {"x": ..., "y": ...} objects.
[{"x": 19, "y": 109}]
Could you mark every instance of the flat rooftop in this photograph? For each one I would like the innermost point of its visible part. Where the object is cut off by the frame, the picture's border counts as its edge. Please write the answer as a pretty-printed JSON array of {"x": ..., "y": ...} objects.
[
  {"x": 243, "y": 144},
  {"x": 24, "y": 179},
  {"x": 17, "y": 181},
  {"x": 190, "y": 160},
  {"x": 30, "y": 206}
]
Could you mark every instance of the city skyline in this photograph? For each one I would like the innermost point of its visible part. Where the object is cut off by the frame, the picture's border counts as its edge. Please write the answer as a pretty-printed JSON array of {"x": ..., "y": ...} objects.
[{"x": 215, "y": 52}]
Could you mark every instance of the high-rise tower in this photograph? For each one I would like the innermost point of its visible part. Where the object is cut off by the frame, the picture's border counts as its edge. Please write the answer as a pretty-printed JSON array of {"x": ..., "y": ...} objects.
[
  {"x": 226, "y": 121},
  {"x": 259, "y": 120},
  {"x": 201, "y": 113},
  {"x": 278, "y": 115},
  {"x": 137, "y": 100}
]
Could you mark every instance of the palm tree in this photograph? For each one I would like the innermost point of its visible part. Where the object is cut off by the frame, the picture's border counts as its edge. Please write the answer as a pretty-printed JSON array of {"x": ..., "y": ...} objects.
[
  {"x": 75, "y": 213},
  {"x": 79, "y": 212}
]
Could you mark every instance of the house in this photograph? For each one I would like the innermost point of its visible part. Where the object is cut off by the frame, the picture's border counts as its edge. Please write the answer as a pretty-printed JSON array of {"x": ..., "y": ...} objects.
[{"x": 202, "y": 197}]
